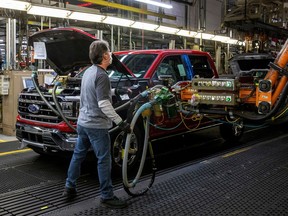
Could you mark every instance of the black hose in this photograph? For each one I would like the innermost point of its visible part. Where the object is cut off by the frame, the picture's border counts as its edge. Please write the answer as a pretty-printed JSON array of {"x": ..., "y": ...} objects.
[
  {"x": 59, "y": 108},
  {"x": 59, "y": 114},
  {"x": 131, "y": 104},
  {"x": 34, "y": 76}
]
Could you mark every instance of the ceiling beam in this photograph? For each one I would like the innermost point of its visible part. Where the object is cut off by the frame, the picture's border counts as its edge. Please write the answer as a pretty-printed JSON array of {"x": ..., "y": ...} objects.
[{"x": 128, "y": 8}]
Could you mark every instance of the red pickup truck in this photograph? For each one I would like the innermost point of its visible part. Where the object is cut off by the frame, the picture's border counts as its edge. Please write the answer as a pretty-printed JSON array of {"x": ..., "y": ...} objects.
[{"x": 43, "y": 130}]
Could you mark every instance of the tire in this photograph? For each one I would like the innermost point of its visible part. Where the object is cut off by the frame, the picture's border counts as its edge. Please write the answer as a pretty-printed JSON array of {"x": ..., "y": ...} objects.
[
  {"x": 117, "y": 149},
  {"x": 231, "y": 132}
]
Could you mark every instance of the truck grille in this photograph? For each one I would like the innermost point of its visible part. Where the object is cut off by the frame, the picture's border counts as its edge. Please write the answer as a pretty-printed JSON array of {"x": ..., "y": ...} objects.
[
  {"x": 34, "y": 136},
  {"x": 43, "y": 112},
  {"x": 38, "y": 138}
]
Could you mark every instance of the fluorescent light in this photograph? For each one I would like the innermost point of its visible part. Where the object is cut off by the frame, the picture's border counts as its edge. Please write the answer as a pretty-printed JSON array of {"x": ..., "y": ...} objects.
[
  {"x": 62, "y": 13},
  {"x": 118, "y": 21},
  {"x": 168, "y": 30},
  {"x": 220, "y": 38},
  {"x": 159, "y": 4},
  {"x": 86, "y": 17},
  {"x": 232, "y": 41},
  {"x": 49, "y": 12},
  {"x": 15, "y": 5},
  {"x": 144, "y": 26},
  {"x": 186, "y": 33},
  {"x": 204, "y": 36}
]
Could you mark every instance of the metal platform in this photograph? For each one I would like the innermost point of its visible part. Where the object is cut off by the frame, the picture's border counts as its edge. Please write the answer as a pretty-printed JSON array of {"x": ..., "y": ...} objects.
[{"x": 249, "y": 181}]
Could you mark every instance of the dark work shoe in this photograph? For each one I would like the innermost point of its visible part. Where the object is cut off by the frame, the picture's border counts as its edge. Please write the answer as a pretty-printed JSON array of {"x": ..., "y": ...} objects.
[
  {"x": 114, "y": 203},
  {"x": 69, "y": 192}
]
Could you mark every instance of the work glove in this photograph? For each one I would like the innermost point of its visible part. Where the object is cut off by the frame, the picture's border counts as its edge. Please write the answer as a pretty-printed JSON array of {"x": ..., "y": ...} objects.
[
  {"x": 124, "y": 126},
  {"x": 122, "y": 90}
]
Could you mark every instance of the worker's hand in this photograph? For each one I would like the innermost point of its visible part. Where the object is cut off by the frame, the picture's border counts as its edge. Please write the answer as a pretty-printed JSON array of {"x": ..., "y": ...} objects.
[
  {"x": 122, "y": 91},
  {"x": 124, "y": 126}
]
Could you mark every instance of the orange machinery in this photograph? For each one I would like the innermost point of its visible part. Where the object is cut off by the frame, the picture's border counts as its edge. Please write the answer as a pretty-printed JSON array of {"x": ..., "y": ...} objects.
[{"x": 242, "y": 96}]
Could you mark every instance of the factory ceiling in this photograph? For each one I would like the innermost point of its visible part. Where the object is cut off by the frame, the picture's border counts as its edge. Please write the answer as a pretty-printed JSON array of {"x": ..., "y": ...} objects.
[{"x": 258, "y": 17}]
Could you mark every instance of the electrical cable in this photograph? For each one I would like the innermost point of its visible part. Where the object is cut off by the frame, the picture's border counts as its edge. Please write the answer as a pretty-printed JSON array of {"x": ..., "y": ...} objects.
[
  {"x": 189, "y": 129},
  {"x": 161, "y": 128}
]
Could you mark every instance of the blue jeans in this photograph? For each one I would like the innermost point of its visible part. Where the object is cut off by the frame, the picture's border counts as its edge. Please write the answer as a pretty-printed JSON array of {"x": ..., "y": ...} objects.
[{"x": 100, "y": 141}]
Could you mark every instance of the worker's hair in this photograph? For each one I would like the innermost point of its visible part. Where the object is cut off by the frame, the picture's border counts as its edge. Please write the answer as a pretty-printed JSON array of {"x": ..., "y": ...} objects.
[{"x": 97, "y": 50}]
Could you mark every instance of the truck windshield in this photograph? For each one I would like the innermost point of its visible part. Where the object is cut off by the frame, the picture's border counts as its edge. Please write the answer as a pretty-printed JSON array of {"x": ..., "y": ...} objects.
[
  {"x": 137, "y": 63},
  {"x": 246, "y": 65}
]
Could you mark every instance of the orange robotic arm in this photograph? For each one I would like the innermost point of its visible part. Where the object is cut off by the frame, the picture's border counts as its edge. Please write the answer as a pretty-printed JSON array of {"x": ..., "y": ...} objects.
[
  {"x": 274, "y": 82},
  {"x": 251, "y": 99}
]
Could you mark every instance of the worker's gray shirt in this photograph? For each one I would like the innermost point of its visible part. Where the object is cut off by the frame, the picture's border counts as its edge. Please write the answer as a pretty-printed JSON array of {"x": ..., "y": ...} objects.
[{"x": 95, "y": 86}]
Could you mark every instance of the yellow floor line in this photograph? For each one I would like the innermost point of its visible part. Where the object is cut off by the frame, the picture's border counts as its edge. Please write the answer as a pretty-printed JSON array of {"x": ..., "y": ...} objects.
[
  {"x": 4, "y": 141},
  {"x": 236, "y": 152},
  {"x": 15, "y": 152}
]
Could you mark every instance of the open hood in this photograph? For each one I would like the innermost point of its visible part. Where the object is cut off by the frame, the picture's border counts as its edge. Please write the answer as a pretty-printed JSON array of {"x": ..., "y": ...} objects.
[{"x": 68, "y": 49}]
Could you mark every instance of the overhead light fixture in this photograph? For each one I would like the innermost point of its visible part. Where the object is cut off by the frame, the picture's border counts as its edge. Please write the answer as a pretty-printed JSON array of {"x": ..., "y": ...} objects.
[
  {"x": 49, "y": 12},
  {"x": 166, "y": 29},
  {"x": 15, "y": 5},
  {"x": 232, "y": 41},
  {"x": 144, "y": 26},
  {"x": 159, "y": 4},
  {"x": 118, "y": 21},
  {"x": 204, "y": 36},
  {"x": 86, "y": 17},
  {"x": 62, "y": 13},
  {"x": 220, "y": 38},
  {"x": 186, "y": 33}
]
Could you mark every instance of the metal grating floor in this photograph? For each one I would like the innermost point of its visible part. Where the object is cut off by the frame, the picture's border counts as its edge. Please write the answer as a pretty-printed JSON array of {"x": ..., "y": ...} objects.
[{"x": 250, "y": 181}]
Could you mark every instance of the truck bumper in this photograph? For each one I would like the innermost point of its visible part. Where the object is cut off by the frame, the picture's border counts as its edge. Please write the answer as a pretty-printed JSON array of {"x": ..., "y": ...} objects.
[{"x": 45, "y": 138}]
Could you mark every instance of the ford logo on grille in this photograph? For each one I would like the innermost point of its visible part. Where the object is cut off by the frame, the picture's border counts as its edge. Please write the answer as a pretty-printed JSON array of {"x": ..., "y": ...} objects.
[{"x": 33, "y": 108}]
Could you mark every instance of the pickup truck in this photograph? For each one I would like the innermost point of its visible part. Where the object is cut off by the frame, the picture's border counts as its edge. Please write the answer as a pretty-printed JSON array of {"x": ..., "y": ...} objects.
[
  {"x": 250, "y": 64},
  {"x": 42, "y": 130}
]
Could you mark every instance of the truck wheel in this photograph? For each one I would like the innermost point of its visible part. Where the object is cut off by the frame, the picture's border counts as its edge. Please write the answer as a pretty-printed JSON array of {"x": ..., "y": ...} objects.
[
  {"x": 118, "y": 144},
  {"x": 231, "y": 132}
]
